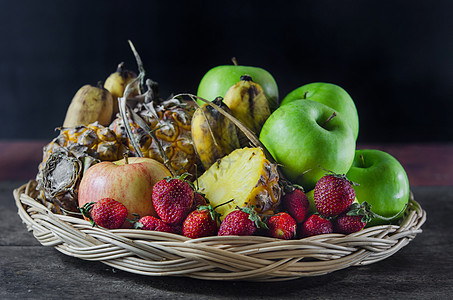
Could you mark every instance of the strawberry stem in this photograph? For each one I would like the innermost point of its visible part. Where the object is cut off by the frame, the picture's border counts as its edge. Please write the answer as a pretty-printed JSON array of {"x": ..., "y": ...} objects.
[
  {"x": 254, "y": 217},
  {"x": 223, "y": 203},
  {"x": 364, "y": 210},
  {"x": 86, "y": 209},
  {"x": 341, "y": 176}
]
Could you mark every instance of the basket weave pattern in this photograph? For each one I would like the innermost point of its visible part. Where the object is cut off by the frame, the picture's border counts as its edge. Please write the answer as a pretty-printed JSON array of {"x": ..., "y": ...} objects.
[{"x": 252, "y": 258}]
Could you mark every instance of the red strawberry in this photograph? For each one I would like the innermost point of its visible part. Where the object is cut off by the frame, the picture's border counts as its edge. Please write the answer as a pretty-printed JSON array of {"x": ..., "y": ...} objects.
[
  {"x": 354, "y": 219},
  {"x": 282, "y": 226},
  {"x": 198, "y": 200},
  {"x": 243, "y": 221},
  {"x": 333, "y": 194},
  {"x": 201, "y": 222},
  {"x": 296, "y": 204},
  {"x": 172, "y": 200},
  {"x": 315, "y": 225},
  {"x": 154, "y": 224},
  {"x": 107, "y": 213}
]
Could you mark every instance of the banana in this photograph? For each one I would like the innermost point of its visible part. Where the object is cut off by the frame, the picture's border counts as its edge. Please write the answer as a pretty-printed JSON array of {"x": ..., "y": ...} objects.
[
  {"x": 117, "y": 82},
  {"x": 248, "y": 103},
  {"x": 213, "y": 134},
  {"x": 90, "y": 104}
]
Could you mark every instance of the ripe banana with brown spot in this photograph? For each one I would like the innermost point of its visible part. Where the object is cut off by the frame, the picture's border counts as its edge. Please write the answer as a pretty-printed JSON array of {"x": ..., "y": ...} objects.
[
  {"x": 248, "y": 103},
  {"x": 116, "y": 84},
  {"x": 213, "y": 134},
  {"x": 90, "y": 104}
]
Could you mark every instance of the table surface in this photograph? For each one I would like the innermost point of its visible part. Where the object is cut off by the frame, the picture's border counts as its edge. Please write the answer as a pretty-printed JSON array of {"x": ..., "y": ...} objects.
[{"x": 423, "y": 269}]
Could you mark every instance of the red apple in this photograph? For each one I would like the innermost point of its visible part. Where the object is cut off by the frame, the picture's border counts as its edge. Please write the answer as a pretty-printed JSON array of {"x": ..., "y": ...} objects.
[{"x": 129, "y": 182}]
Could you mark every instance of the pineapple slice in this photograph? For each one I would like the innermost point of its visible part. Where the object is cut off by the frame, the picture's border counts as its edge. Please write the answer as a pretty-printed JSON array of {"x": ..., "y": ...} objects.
[{"x": 247, "y": 177}]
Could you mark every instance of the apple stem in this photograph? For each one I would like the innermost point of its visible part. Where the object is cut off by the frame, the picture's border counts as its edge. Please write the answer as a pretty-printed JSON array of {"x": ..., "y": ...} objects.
[
  {"x": 305, "y": 94},
  {"x": 126, "y": 158},
  {"x": 362, "y": 159},
  {"x": 235, "y": 61},
  {"x": 330, "y": 118}
]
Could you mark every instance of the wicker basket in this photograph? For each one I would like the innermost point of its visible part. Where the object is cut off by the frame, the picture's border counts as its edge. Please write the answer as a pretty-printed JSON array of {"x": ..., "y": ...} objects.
[{"x": 254, "y": 258}]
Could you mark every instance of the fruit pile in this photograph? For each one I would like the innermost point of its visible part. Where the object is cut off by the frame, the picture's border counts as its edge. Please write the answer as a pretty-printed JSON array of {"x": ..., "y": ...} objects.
[{"x": 231, "y": 160}]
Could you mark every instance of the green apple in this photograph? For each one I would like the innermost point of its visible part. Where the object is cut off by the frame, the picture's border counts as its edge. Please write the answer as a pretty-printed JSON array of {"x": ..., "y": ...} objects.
[
  {"x": 383, "y": 183},
  {"x": 218, "y": 80},
  {"x": 331, "y": 95},
  {"x": 305, "y": 139}
]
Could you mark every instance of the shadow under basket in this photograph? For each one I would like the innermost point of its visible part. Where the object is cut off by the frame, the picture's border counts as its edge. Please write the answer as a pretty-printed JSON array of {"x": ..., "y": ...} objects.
[{"x": 248, "y": 258}]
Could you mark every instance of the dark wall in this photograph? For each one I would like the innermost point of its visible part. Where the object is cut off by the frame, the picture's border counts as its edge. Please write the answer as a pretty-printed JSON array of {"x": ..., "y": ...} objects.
[{"x": 395, "y": 58}]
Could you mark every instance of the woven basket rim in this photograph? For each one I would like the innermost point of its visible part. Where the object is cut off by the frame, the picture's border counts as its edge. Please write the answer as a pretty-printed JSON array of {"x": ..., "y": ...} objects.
[{"x": 250, "y": 258}]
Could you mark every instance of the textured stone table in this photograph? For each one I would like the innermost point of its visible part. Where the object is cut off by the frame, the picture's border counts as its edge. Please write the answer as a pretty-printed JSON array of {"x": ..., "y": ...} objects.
[{"x": 422, "y": 270}]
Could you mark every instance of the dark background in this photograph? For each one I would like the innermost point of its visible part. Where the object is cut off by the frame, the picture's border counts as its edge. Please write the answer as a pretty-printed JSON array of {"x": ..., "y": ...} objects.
[{"x": 395, "y": 58}]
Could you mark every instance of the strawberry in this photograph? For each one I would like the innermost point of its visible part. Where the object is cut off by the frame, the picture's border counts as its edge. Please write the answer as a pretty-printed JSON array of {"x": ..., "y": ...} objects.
[
  {"x": 242, "y": 221},
  {"x": 198, "y": 200},
  {"x": 333, "y": 194},
  {"x": 296, "y": 204},
  {"x": 282, "y": 226},
  {"x": 172, "y": 199},
  {"x": 353, "y": 219},
  {"x": 315, "y": 225},
  {"x": 201, "y": 222},
  {"x": 154, "y": 224},
  {"x": 107, "y": 213}
]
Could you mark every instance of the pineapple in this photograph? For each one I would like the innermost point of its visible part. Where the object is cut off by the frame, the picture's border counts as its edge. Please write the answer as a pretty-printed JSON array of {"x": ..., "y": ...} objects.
[
  {"x": 171, "y": 122},
  {"x": 93, "y": 140},
  {"x": 66, "y": 157},
  {"x": 247, "y": 177}
]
